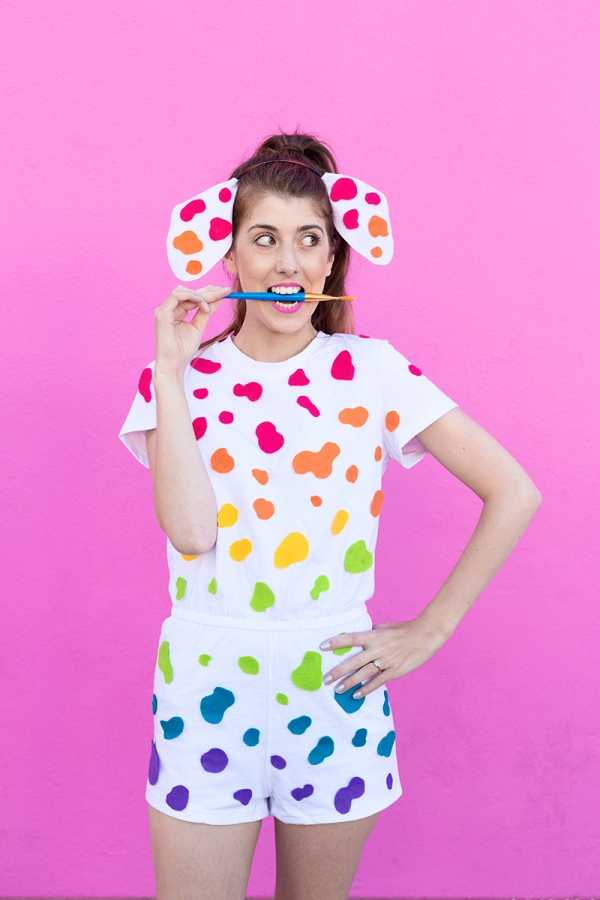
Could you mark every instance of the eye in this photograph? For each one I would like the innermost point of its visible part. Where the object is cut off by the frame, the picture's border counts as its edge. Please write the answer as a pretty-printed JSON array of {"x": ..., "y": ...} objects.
[
  {"x": 263, "y": 240},
  {"x": 311, "y": 240}
]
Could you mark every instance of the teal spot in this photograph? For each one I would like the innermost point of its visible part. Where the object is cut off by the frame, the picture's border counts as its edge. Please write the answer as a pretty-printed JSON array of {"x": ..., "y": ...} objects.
[
  {"x": 154, "y": 704},
  {"x": 360, "y": 738},
  {"x": 321, "y": 585},
  {"x": 299, "y": 725},
  {"x": 282, "y": 698},
  {"x": 204, "y": 659},
  {"x": 386, "y": 704},
  {"x": 341, "y": 650},
  {"x": 262, "y": 598},
  {"x": 324, "y": 748},
  {"x": 347, "y": 701},
  {"x": 180, "y": 586},
  {"x": 251, "y": 737},
  {"x": 384, "y": 747},
  {"x": 358, "y": 558},
  {"x": 249, "y": 665},
  {"x": 214, "y": 706},
  {"x": 172, "y": 728},
  {"x": 212, "y": 587}
]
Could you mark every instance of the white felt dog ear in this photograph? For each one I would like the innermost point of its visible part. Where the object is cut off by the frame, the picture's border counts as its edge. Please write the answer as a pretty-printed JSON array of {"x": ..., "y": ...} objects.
[
  {"x": 361, "y": 216},
  {"x": 200, "y": 231}
]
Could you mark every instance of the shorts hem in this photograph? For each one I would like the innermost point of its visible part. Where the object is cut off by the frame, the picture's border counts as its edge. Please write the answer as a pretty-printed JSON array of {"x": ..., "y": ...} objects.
[
  {"x": 235, "y": 818},
  {"x": 326, "y": 818}
]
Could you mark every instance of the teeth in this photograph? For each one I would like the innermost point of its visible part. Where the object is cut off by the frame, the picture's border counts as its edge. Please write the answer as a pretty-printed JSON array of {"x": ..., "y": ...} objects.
[{"x": 280, "y": 289}]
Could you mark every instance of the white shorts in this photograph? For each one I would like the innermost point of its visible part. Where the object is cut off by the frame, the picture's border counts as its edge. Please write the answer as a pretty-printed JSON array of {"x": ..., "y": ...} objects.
[{"x": 245, "y": 728}]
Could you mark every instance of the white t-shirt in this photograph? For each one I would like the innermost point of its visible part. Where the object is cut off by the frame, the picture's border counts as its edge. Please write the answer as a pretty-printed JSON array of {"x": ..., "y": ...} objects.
[{"x": 295, "y": 452}]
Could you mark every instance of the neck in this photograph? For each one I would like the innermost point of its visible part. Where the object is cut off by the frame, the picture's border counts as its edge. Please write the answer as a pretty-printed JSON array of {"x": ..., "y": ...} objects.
[{"x": 264, "y": 345}]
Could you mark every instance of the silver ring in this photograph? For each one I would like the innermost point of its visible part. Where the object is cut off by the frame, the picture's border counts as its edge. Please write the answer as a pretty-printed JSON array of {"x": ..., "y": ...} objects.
[{"x": 377, "y": 662}]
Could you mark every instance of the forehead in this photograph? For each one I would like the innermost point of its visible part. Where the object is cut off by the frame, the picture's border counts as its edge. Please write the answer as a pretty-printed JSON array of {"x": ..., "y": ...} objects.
[{"x": 283, "y": 212}]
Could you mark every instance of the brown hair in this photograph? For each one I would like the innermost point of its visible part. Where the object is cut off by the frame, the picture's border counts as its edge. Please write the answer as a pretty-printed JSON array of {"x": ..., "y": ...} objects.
[{"x": 334, "y": 316}]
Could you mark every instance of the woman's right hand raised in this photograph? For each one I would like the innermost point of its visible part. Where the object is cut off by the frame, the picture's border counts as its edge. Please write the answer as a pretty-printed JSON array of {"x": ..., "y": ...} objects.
[{"x": 177, "y": 341}]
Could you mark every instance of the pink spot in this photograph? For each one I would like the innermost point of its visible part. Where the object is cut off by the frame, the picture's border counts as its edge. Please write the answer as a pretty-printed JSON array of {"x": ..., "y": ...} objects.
[
  {"x": 201, "y": 393},
  {"x": 342, "y": 368},
  {"x": 252, "y": 390},
  {"x": 192, "y": 209},
  {"x": 219, "y": 229},
  {"x": 144, "y": 385},
  {"x": 365, "y": 336},
  {"x": 414, "y": 370},
  {"x": 199, "y": 426},
  {"x": 298, "y": 378},
  {"x": 373, "y": 198},
  {"x": 225, "y": 195},
  {"x": 269, "y": 439},
  {"x": 226, "y": 417},
  {"x": 206, "y": 366},
  {"x": 350, "y": 219},
  {"x": 343, "y": 189},
  {"x": 305, "y": 403}
]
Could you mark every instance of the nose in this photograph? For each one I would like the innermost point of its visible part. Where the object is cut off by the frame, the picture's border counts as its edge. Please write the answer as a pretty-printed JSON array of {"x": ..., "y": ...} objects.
[{"x": 287, "y": 263}]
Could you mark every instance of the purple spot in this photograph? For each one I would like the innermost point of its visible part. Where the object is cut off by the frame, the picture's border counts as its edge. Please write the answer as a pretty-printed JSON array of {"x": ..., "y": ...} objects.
[
  {"x": 154, "y": 767},
  {"x": 302, "y": 793},
  {"x": 214, "y": 760},
  {"x": 389, "y": 781},
  {"x": 278, "y": 762},
  {"x": 345, "y": 796},
  {"x": 178, "y": 798},
  {"x": 244, "y": 796}
]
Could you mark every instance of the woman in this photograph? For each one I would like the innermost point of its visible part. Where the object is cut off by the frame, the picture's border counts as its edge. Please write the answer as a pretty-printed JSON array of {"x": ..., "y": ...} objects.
[{"x": 266, "y": 448}]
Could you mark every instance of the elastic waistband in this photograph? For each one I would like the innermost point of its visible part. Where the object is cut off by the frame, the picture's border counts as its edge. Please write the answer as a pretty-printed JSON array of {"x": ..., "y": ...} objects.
[{"x": 352, "y": 615}]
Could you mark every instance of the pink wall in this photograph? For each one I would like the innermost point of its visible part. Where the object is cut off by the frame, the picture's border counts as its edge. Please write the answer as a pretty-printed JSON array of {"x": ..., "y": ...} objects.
[{"x": 480, "y": 122}]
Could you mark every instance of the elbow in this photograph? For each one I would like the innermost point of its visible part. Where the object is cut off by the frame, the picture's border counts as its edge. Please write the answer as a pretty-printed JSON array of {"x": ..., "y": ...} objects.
[{"x": 192, "y": 544}]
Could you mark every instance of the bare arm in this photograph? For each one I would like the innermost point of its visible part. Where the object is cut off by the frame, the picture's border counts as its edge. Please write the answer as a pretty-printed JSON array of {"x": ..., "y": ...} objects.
[
  {"x": 510, "y": 500},
  {"x": 184, "y": 500}
]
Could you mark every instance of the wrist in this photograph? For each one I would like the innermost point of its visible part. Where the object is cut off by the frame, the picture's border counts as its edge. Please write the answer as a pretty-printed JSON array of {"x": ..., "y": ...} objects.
[{"x": 166, "y": 378}]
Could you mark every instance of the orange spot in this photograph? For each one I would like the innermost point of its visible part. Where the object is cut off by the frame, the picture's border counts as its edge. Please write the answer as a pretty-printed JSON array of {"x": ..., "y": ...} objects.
[
  {"x": 392, "y": 420},
  {"x": 376, "y": 503},
  {"x": 339, "y": 521},
  {"x": 316, "y": 501},
  {"x": 194, "y": 267},
  {"x": 188, "y": 242},
  {"x": 264, "y": 509},
  {"x": 377, "y": 252},
  {"x": 319, "y": 463},
  {"x": 378, "y": 227},
  {"x": 221, "y": 461},
  {"x": 185, "y": 556},
  {"x": 351, "y": 474},
  {"x": 260, "y": 475},
  {"x": 378, "y": 454},
  {"x": 356, "y": 416}
]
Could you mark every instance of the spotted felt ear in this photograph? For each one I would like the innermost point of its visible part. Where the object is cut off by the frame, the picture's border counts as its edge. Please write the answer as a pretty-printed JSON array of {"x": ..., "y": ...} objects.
[
  {"x": 361, "y": 216},
  {"x": 200, "y": 231}
]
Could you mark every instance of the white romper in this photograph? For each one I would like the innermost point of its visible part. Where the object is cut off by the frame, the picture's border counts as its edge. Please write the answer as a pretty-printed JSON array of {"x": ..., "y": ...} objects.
[{"x": 295, "y": 451}]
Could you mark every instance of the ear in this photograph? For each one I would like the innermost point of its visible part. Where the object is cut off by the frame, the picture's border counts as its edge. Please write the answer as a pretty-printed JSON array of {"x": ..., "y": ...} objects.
[
  {"x": 230, "y": 262},
  {"x": 330, "y": 262}
]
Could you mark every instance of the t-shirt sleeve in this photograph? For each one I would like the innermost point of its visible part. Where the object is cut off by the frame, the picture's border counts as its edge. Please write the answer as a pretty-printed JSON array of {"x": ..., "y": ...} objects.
[
  {"x": 410, "y": 403},
  {"x": 141, "y": 417}
]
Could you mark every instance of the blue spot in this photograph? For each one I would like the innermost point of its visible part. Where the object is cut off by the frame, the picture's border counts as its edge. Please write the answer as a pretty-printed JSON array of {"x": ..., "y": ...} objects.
[
  {"x": 386, "y": 704},
  {"x": 251, "y": 737},
  {"x": 172, "y": 727},
  {"x": 324, "y": 748},
  {"x": 278, "y": 762},
  {"x": 154, "y": 767},
  {"x": 360, "y": 738},
  {"x": 299, "y": 725},
  {"x": 178, "y": 797},
  {"x": 302, "y": 793},
  {"x": 389, "y": 781},
  {"x": 347, "y": 701},
  {"x": 344, "y": 797},
  {"x": 214, "y": 706},
  {"x": 244, "y": 796},
  {"x": 154, "y": 704},
  {"x": 214, "y": 760},
  {"x": 384, "y": 747}
]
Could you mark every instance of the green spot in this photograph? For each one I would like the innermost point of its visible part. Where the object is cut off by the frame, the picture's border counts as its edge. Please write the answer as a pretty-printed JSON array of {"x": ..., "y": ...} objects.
[
  {"x": 341, "y": 650},
  {"x": 358, "y": 558},
  {"x": 249, "y": 665},
  {"x": 204, "y": 659},
  {"x": 321, "y": 584},
  {"x": 282, "y": 698},
  {"x": 164, "y": 662},
  {"x": 212, "y": 587},
  {"x": 180, "y": 585},
  {"x": 262, "y": 598},
  {"x": 308, "y": 676}
]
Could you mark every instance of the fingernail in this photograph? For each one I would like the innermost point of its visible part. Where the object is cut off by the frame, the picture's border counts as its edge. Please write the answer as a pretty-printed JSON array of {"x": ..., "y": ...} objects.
[
  {"x": 325, "y": 645},
  {"x": 327, "y": 679},
  {"x": 340, "y": 688},
  {"x": 357, "y": 695}
]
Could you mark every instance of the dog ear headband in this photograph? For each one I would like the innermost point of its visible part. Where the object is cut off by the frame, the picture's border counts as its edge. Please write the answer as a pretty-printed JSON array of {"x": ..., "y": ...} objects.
[{"x": 200, "y": 233}]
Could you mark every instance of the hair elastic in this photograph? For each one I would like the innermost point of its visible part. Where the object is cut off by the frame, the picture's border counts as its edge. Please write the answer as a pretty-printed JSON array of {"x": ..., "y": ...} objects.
[{"x": 296, "y": 162}]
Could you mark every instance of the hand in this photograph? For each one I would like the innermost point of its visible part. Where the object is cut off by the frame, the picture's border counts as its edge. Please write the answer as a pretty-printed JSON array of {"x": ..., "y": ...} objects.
[
  {"x": 399, "y": 646},
  {"x": 177, "y": 341}
]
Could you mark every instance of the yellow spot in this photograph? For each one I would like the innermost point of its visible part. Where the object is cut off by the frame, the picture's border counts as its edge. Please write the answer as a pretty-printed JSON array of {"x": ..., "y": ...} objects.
[
  {"x": 339, "y": 521},
  {"x": 292, "y": 549},
  {"x": 184, "y": 556},
  {"x": 228, "y": 516},
  {"x": 239, "y": 550}
]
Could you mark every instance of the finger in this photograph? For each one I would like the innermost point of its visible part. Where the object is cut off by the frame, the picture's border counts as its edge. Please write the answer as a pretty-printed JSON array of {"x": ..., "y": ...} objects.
[
  {"x": 371, "y": 685},
  {"x": 356, "y": 678},
  {"x": 205, "y": 308},
  {"x": 353, "y": 639},
  {"x": 349, "y": 666}
]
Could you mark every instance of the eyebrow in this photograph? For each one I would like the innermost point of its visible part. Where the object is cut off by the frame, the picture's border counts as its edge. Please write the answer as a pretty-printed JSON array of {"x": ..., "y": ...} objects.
[{"x": 272, "y": 227}]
